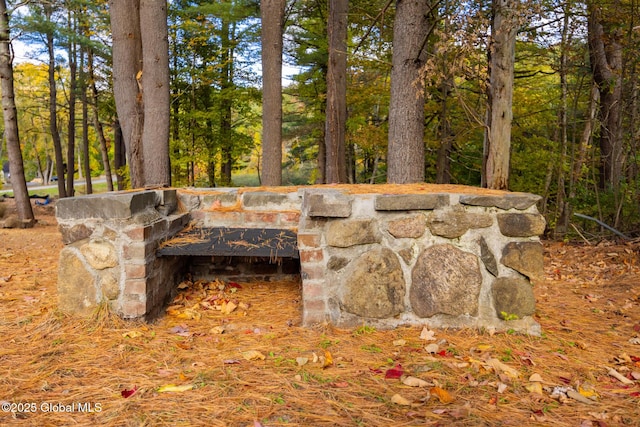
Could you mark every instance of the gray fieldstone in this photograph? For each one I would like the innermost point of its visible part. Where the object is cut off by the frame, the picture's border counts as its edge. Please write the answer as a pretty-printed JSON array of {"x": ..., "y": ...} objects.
[
  {"x": 74, "y": 233},
  {"x": 487, "y": 257},
  {"x": 105, "y": 205},
  {"x": 453, "y": 223},
  {"x": 255, "y": 199},
  {"x": 343, "y": 234},
  {"x": 109, "y": 285},
  {"x": 520, "y": 201},
  {"x": 445, "y": 280},
  {"x": 412, "y": 226},
  {"x": 336, "y": 263},
  {"x": 329, "y": 205},
  {"x": 221, "y": 199},
  {"x": 521, "y": 224},
  {"x": 524, "y": 257},
  {"x": 513, "y": 296},
  {"x": 410, "y": 202},
  {"x": 99, "y": 254},
  {"x": 376, "y": 285},
  {"x": 76, "y": 284}
]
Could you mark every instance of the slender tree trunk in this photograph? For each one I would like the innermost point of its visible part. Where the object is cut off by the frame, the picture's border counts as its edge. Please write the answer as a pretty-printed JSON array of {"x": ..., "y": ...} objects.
[
  {"x": 53, "y": 110},
  {"x": 563, "y": 208},
  {"x": 502, "y": 54},
  {"x": 443, "y": 161},
  {"x": 104, "y": 151},
  {"x": 406, "y": 149},
  {"x": 156, "y": 93},
  {"x": 84, "y": 88},
  {"x": 272, "y": 12},
  {"x": 127, "y": 88},
  {"x": 119, "y": 154},
  {"x": 10, "y": 115},
  {"x": 336, "y": 115},
  {"x": 71, "y": 126}
]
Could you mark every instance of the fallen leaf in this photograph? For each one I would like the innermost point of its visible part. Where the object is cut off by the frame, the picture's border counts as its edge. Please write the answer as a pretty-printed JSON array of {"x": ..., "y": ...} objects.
[
  {"x": 534, "y": 387},
  {"x": 501, "y": 387},
  {"x": 339, "y": 384},
  {"x": 588, "y": 391},
  {"x": 579, "y": 397},
  {"x": 427, "y": 335},
  {"x": 432, "y": 348},
  {"x": 175, "y": 388},
  {"x": 399, "y": 343},
  {"x": 394, "y": 373},
  {"x": 228, "y": 307},
  {"x": 128, "y": 393},
  {"x": 399, "y": 400},
  {"x": 231, "y": 362},
  {"x": 635, "y": 340},
  {"x": 216, "y": 330},
  {"x": 180, "y": 330},
  {"x": 301, "y": 361},
  {"x": 328, "y": 359},
  {"x": 132, "y": 334},
  {"x": 484, "y": 347},
  {"x": 253, "y": 355},
  {"x": 415, "y": 382},
  {"x": 443, "y": 395},
  {"x": 500, "y": 367},
  {"x": 536, "y": 378}
]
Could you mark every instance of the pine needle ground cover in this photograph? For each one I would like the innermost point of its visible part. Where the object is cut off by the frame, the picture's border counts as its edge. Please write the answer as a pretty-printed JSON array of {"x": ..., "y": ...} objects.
[{"x": 233, "y": 354}]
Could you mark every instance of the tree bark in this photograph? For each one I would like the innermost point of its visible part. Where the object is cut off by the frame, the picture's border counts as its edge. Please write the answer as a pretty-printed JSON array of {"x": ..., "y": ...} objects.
[
  {"x": 502, "y": 59},
  {"x": 272, "y": 13},
  {"x": 406, "y": 148},
  {"x": 156, "y": 93},
  {"x": 605, "y": 51},
  {"x": 10, "y": 116},
  {"x": 336, "y": 114},
  {"x": 97, "y": 125},
  {"x": 127, "y": 91},
  {"x": 53, "y": 108}
]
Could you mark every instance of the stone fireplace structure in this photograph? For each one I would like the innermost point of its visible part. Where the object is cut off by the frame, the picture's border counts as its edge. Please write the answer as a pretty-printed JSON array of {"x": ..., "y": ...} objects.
[{"x": 446, "y": 256}]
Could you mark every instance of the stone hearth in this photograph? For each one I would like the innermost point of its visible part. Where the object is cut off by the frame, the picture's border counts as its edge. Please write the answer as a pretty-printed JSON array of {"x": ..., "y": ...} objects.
[{"x": 456, "y": 258}]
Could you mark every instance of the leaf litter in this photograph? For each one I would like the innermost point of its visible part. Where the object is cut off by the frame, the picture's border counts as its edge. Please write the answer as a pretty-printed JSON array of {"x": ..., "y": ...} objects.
[{"x": 189, "y": 367}]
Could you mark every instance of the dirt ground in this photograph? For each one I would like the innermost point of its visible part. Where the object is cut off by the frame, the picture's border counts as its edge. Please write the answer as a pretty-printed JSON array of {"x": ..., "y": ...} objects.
[{"x": 252, "y": 365}]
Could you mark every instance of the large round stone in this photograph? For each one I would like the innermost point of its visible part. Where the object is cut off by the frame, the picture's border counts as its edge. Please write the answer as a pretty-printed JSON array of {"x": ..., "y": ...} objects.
[
  {"x": 76, "y": 285},
  {"x": 100, "y": 254},
  {"x": 513, "y": 296},
  {"x": 375, "y": 286},
  {"x": 445, "y": 280}
]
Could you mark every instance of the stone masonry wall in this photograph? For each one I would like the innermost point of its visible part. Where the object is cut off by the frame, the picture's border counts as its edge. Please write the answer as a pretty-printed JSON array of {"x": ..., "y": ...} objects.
[{"x": 449, "y": 260}]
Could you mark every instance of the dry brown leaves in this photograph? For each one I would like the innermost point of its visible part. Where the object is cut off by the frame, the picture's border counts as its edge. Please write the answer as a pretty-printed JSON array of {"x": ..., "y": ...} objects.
[{"x": 253, "y": 365}]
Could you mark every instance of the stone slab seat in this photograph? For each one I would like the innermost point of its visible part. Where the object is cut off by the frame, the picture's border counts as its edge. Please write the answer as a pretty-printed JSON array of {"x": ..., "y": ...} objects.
[{"x": 226, "y": 241}]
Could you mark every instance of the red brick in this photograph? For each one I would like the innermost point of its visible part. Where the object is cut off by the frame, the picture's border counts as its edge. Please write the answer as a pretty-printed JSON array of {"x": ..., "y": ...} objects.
[
  {"x": 135, "y": 271},
  {"x": 270, "y": 218},
  {"x": 290, "y": 218},
  {"x": 313, "y": 255},
  {"x": 311, "y": 240},
  {"x": 135, "y": 287},
  {"x": 134, "y": 308},
  {"x": 138, "y": 250},
  {"x": 311, "y": 272},
  {"x": 312, "y": 290},
  {"x": 137, "y": 234},
  {"x": 229, "y": 218}
]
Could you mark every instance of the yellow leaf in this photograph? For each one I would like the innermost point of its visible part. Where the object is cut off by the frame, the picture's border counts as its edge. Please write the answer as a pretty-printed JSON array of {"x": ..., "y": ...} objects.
[
  {"x": 500, "y": 367},
  {"x": 399, "y": 343},
  {"x": 399, "y": 400},
  {"x": 189, "y": 314},
  {"x": 587, "y": 391},
  {"x": 175, "y": 388},
  {"x": 217, "y": 330},
  {"x": 253, "y": 355},
  {"x": 328, "y": 359},
  {"x": 484, "y": 347},
  {"x": 228, "y": 307},
  {"x": 443, "y": 395},
  {"x": 534, "y": 387},
  {"x": 132, "y": 334}
]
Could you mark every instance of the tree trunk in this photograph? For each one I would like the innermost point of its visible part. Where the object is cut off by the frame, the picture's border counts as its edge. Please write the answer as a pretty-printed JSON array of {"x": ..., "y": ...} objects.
[
  {"x": 443, "y": 161},
  {"x": 71, "y": 126},
  {"x": 104, "y": 151},
  {"x": 336, "y": 114},
  {"x": 605, "y": 51},
  {"x": 84, "y": 88},
  {"x": 502, "y": 58},
  {"x": 127, "y": 91},
  {"x": 156, "y": 93},
  {"x": 406, "y": 149},
  {"x": 272, "y": 13},
  {"x": 119, "y": 155},
  {"x": 53, "y": 109},
  {"x": 10, "y": 115}
]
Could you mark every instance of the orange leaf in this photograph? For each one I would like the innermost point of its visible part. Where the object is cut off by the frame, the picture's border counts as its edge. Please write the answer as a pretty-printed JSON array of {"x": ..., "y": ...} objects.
[
  {"x": 328, "y": 359},
  {"x": 443, "y": 395}
]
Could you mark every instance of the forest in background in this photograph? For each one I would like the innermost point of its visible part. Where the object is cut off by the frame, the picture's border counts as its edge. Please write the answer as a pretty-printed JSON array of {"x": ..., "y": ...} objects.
[{"x": 575, "y": 128}]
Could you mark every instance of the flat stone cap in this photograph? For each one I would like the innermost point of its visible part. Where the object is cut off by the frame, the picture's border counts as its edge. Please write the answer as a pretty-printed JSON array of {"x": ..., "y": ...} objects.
[{"x": 120, "y": 205}]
